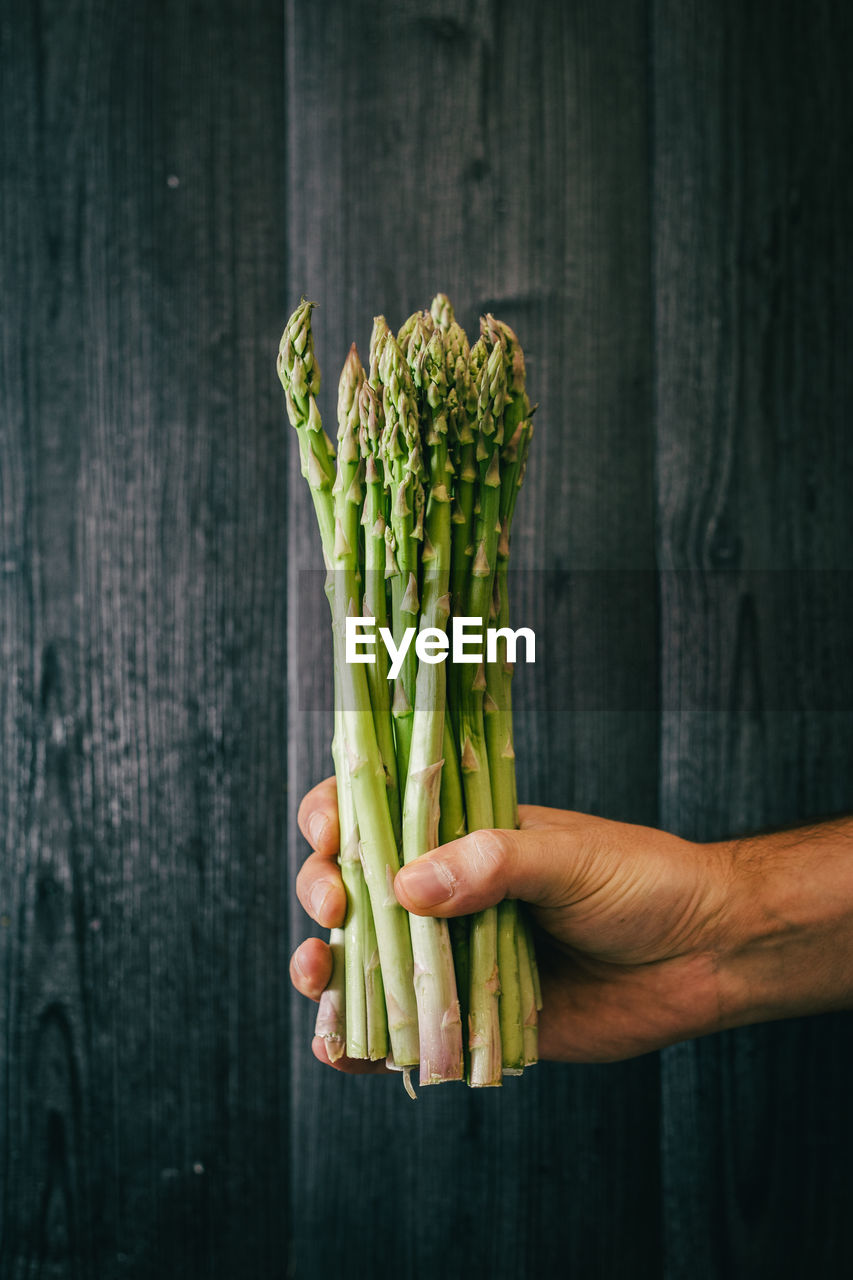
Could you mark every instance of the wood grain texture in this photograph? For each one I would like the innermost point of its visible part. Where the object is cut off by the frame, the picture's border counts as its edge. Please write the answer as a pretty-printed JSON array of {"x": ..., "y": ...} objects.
[
  {"x": 498, "y": 154},
  {"x": 753, "y": 271},
  {"x": 142, "y": 1074}
]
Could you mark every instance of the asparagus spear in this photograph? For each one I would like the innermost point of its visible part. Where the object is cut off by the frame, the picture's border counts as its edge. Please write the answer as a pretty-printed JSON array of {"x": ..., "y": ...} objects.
[
  {"x": 403, "y": 474},
  {"x": 404, "y": 333},
  {"x": 484, "y": 1015},
  {"x": 300, "y": 377},
  {"x": 441, "y": 311},
  {"x": 367, "y": 1029},
  {"x": 435, "y": 982},
  {"x": 517, "y": 429},
  {"x": 374, "y": 520},
  {"x": 477, "y": 599},
  {"x": 461, "y": 407},
  {"x": 515, "y": 954},
  {"x": 337, "y": 516},
  {"x": 499, "y": 746}
]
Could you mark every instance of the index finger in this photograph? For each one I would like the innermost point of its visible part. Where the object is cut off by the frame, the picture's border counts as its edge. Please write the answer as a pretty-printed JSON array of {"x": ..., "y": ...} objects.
[{"x": 318, "y": 818}]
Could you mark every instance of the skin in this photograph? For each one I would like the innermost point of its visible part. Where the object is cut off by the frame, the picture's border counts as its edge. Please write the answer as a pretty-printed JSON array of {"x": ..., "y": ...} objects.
[{"x": 643, "y": 938}]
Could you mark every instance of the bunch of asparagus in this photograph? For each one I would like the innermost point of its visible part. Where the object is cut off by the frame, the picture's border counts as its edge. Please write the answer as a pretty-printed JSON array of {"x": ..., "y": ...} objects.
[{"x": 415, "y": 511}]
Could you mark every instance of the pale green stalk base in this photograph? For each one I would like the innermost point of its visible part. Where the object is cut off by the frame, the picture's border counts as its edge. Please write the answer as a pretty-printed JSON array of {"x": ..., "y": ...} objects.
[
  {"x": 380, "y": 863},
  {"x": 354, "y": 950},
  {"x": 367, "y": 1029},
  {"x": 435, "y": 980},
  {"x": 356, "y": 891},
  {"x": 484, "y": 1040},
  {"x": 438, "y": 1005},
  {"x": 330, "y": 1024}
]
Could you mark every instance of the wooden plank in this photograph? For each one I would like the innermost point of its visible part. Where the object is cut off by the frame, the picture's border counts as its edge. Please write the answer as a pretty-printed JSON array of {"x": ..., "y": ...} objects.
[
  {"x": 141, "y": 800},
  {"x": 498, "y": 154},
  {"x": 753, "y": 269}
]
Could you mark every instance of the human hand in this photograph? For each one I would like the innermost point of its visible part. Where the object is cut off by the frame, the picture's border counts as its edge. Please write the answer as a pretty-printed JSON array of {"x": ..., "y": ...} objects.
[{"x": 642, "y": 938}]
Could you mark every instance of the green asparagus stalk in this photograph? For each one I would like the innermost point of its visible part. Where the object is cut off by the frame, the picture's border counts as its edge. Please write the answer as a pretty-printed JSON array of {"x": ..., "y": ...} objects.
[
  {"x": 461, "y": 409},
  {"x": 362, "y": 995},
  {"x": 515, "y": 955},
  {"x": 435, "y": 981},
  {"x": 364, "y": 759},
  {"x": 338, "y": 520},
  {"x": 485, "y": 981},
  {"x": 374, "y": 520},
  {"x": 461, "y": 405},
  {"x": 359, "y": 935},
  {"x": 300, "y": 377},
  {"x": 477, "y": 591},
  {"x": 403, "y": 475},
  {"x": 451, "y": 825},
  {"x": 517, "y": 430},
  {"x": 467, "y": 375}
]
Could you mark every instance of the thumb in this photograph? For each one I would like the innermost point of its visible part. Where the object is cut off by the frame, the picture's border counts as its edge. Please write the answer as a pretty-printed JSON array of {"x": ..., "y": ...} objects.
[{"x": 484, "y": 867}]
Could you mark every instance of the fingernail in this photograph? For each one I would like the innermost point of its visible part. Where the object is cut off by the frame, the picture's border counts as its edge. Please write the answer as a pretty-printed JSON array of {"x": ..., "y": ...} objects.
[
  {"x": 316, "y": 826},
  {"x": 317, "y": 899},
  {"x": 297, "y": 964},
  {"x": 427, "y": 882}
]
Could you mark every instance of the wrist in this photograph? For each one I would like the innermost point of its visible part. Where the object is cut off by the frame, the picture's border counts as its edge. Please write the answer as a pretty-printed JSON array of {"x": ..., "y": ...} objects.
[{"x": 786, "y": 945}]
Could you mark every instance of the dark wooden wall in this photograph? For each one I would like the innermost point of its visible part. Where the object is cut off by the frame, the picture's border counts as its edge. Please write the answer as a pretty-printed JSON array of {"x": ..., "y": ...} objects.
[{"x": 658, "y": 196}]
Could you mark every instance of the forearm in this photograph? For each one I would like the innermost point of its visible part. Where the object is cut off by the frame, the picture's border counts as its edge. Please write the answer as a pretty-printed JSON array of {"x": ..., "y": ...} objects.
[{"x": 788, "y": 944}]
